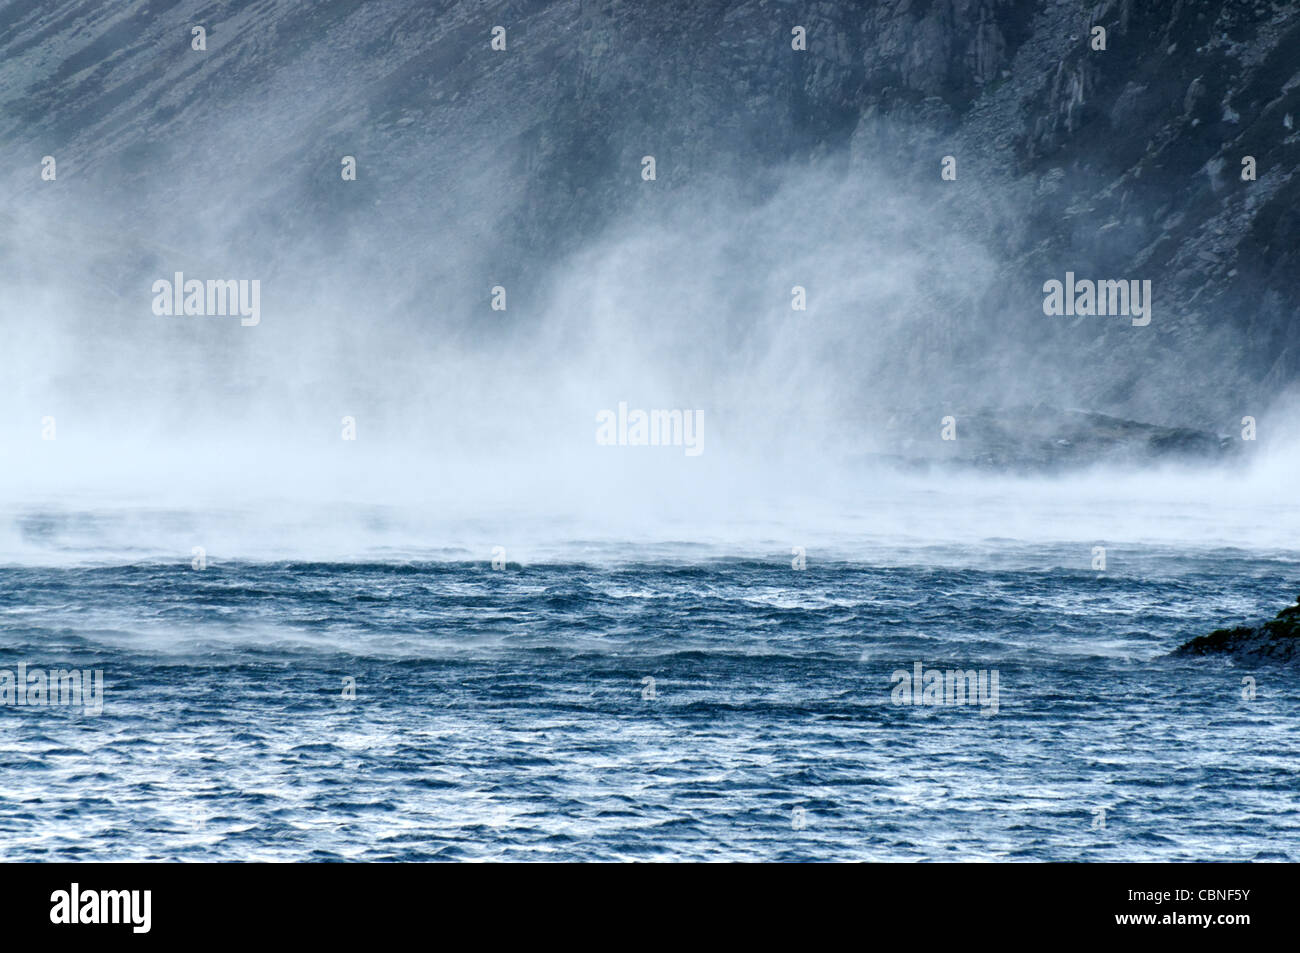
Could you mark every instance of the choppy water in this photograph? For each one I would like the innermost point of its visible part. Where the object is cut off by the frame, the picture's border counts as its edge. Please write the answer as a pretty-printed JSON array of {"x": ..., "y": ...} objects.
[{"x": 500, "y": 714}]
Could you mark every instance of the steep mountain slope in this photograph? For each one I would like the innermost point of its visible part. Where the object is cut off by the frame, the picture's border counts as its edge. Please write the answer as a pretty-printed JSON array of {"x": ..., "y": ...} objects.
[{"x": 523, "y": 168}]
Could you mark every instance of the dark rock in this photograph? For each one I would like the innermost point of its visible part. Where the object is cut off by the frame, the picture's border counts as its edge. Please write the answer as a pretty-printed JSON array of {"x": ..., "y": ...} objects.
[
  {"x": 1047, "y": 439},
  {"x": 1278, "y": 639}
]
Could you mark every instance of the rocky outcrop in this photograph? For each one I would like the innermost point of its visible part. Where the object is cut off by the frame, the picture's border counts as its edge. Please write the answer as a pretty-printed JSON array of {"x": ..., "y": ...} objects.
[
  {"x": 1278, "y": 639},
  {"x": 1048, "y": 439}
]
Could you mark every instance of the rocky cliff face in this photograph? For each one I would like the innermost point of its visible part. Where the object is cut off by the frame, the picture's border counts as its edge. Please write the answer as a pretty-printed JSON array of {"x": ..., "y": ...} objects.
[{"x": 478, "y": 166}]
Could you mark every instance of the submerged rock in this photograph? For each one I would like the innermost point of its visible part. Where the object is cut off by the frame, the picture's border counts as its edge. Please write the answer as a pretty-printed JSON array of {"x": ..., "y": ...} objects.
[{"x": 1278, "y": 639}]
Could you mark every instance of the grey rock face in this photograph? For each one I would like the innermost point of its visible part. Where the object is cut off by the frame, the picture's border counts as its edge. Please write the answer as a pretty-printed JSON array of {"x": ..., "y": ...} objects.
[{"x": 1122, "y": 163}]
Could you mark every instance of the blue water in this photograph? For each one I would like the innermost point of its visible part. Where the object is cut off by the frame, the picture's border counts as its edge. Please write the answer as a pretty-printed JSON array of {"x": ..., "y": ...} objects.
[{"x": 505, "y": 714}]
